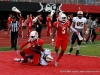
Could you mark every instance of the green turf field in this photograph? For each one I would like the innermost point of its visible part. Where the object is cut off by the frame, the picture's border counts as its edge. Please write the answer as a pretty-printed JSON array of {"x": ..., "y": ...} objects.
[{"x": 90, "y": 49}]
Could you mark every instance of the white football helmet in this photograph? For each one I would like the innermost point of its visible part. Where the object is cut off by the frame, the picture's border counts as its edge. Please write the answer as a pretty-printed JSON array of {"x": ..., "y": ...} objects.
[
  {"x": 80, "y": 12},
  {"x": 62, "y": 17},
  {"x": 33, "y": 35},
  {"x": 47, "y": 55},
  {"x": 49, "y": 58}
]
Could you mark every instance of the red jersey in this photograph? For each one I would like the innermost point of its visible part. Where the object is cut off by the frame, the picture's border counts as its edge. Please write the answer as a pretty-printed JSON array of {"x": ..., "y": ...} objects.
[
  {"x": 69, "y": 23},
  {"x": 40, "y": 18},
  {"x": 9, "y": 20},
  {"x": 30, "y": 22},
  {"x": 21, "y": 21},
  {"x": 48, "y": 21},
  {"x": 38, "y": 42},
  {"x": 61, "y": 29}
]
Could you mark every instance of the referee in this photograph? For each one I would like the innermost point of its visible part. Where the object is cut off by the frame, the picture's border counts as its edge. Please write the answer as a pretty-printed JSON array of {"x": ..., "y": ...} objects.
[
  {"x": 14, "y": 28},
  {"x": 92, "y": 31}
]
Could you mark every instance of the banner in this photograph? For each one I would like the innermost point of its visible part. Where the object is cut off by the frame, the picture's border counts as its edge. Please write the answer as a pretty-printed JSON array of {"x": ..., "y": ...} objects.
[{"x": 48, "y": 7}]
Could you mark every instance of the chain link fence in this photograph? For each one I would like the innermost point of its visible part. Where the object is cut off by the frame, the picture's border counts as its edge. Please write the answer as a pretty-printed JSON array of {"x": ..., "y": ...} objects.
[{"x": 85, "y": 2}]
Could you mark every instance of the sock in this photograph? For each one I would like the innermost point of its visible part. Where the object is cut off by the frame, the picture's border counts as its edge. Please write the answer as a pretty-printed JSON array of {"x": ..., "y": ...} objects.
[
  {"x": 59, "y": 57},
  {"x": 71, "y": 49},
  {"x": 77, "y": 51},
  {"x": 78, "y": 47},
  {"x": 23, "y": 56},
  {"x": 56, "y": 50}
]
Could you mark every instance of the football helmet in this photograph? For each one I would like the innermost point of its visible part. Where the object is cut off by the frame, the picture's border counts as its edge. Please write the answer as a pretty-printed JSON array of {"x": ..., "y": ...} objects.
[
  {"x": 33, "y": 35},
  {"x": 62, "y": 17},
  {"x": 47, "y": 55},
  {"x": 80, "y": 14}
]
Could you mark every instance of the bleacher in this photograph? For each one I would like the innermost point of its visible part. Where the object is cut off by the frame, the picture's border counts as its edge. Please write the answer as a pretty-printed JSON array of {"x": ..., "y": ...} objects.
[{"x": 85, "y": 2}]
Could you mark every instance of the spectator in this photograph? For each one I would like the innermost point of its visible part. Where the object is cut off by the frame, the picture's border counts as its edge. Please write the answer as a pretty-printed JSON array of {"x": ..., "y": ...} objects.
[
  {"x": 89, "y": 23},
  {"x": 92, "y": 31},
  {"x": 39, "y": 25}
]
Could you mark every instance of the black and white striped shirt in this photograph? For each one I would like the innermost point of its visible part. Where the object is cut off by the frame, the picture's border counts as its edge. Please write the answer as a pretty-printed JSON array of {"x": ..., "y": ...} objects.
[{"x": 14, "y": 26}]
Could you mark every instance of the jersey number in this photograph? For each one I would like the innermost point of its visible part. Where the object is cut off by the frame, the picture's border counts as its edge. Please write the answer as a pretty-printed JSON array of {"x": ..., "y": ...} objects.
[
  {"x": 80, "y": 24},
  {"x": 63, "y": 30}
]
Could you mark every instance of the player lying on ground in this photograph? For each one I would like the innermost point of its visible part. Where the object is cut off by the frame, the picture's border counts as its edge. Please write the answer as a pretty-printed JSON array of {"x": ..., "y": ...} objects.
[
  {"x": 61, "y": 27},
  {"x": 44, "y": 59},
  {"x": 35, "y": 49}
]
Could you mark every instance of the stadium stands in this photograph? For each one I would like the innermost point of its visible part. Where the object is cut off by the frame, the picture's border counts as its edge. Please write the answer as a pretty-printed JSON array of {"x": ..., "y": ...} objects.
[{"x": 85, "y": 2}]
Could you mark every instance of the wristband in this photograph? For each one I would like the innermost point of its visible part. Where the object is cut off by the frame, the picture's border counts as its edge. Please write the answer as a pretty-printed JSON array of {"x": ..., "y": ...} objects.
[{"x": 52, "y": 39}]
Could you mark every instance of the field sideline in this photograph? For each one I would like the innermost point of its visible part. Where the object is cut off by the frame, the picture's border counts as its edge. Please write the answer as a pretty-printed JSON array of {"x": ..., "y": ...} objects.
[{"x": 89, "y": 50}]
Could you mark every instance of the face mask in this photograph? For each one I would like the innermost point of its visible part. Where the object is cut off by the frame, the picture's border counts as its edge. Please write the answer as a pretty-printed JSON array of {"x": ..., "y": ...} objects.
[{"x": 79, "y": 16}]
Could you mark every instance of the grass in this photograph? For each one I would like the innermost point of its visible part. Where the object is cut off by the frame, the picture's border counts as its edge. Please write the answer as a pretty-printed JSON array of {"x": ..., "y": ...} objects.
[{"x": 90, "y": 49}]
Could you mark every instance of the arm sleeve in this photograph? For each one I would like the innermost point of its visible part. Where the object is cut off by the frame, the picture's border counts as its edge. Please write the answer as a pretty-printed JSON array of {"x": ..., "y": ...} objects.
[
  {"x": 40, "y": 43},
  {"x": 24, "y": 44},
  {"x": 73, "y": 20},
  {"x": 73, "y": 29},
  {"x": 55, "y": 24}
]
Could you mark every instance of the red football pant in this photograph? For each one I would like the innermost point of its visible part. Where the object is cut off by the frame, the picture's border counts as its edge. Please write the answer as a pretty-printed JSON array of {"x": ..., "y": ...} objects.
[
  {"x": 29, "y": 30},
  {"x": 35, "y": 55},
  {"x": 48, "y": 30},
  {"x": 21, "y": 31},
  {"x": 63, "y": 42}
]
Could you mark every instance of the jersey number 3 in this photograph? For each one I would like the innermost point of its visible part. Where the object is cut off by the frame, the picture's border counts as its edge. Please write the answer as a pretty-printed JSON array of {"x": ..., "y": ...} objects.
[{"x": 63, "y": 30}]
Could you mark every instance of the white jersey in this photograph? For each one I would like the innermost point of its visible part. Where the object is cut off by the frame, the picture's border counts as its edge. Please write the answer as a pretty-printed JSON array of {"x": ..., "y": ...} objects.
[
  {"x": 42, "y": 61},
  {"x": 43, "y": 57},
  {"x": 79, "y": 23}
]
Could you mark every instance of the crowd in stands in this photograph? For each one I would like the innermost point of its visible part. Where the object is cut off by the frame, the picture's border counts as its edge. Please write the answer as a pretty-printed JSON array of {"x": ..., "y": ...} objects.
[{"x": 90, "y": 2}]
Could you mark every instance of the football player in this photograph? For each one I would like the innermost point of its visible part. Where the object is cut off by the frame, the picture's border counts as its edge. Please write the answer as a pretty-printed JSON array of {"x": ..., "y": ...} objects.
[
  {"x": 21, "y": 21},
  {"x": 9, "y": 20},
  {"x": 61, "y": 27},
  {"x": 49, "y": 24},
  {"x": 44, "y": 59},
  {"x": 35, "y": 48},
  {"x": 29, "y": 25},
  {"x": 79, "y": 24}
]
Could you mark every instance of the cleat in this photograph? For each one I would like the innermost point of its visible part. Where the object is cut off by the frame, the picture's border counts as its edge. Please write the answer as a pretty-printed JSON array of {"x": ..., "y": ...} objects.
[
  {"x": 56, "y": 63},
  {"x": 77, "y": 54},
  {"x": 17, "y": 59},
  {"x": 69, "y": 53},
  {"x": 24, "y": 61}
]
